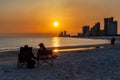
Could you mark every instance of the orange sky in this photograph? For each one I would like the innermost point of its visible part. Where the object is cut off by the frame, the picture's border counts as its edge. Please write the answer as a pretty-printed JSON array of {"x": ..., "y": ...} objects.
[{"x": 37, "y": 16}]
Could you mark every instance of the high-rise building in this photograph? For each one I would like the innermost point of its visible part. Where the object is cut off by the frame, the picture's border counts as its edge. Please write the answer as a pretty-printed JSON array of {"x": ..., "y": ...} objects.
[
  {"x": 96, "y": 28},
  {"x": 110, "y": 26},
  {"x": 64, "y": 33},
  {"x": 61, "y": 34},
  {"x": 85, "y": 29},
  {"x": 95, "y": 31}
]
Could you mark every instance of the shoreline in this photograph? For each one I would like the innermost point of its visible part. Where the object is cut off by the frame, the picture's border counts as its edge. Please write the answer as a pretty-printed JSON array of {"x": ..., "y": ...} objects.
[
  {"x": 63, "y": 47},
  {"x": 13, "y": 55}
]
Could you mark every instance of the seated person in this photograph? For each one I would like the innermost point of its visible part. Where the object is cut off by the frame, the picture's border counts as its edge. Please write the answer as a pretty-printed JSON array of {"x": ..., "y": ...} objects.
[
  {"x": 41, "y": 54},
  {"x": 26, "y": 56}
]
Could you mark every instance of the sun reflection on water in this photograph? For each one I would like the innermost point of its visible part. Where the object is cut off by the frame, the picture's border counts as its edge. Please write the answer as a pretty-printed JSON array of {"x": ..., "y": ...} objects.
[
  {"x": 56, "y": 47},
  {"x": 55, "y": 42}
]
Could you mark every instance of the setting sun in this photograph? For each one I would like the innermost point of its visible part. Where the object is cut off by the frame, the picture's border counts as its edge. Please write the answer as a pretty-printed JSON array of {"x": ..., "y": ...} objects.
[{"x": 56, "y": 24}]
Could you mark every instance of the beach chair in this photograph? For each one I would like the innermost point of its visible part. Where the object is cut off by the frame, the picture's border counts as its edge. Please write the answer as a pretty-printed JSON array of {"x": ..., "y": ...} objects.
[
  {"x": 45, "y": 57},
  {"x": 24, "y": 56}
]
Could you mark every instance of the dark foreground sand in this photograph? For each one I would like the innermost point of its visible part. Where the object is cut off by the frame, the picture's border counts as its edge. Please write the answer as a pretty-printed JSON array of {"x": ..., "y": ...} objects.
[{"x": 98, "y": 64}]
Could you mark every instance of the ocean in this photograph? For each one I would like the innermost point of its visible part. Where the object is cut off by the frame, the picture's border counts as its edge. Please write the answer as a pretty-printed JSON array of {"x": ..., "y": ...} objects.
[{"x": 14, "y": 43}]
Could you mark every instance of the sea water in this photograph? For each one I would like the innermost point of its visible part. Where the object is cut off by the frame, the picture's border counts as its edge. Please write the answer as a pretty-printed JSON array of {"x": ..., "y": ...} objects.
[{"x": 13, "y": 43}]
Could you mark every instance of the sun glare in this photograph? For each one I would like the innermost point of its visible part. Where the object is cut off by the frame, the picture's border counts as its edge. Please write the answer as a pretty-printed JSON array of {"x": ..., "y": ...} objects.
[
  {"x": 56, "y": 50},
  {"x": 56, "y": 24}
]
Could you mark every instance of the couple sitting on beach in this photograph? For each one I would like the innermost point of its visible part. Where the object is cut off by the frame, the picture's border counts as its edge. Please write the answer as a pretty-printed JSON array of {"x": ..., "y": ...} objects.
[{"x": 26, "y": 55}]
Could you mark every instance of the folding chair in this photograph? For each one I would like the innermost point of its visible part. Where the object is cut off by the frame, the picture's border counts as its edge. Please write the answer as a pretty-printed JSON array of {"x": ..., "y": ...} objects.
[
  {"x": 45, "y": 57},
  {"x": 24, "y": 56}
]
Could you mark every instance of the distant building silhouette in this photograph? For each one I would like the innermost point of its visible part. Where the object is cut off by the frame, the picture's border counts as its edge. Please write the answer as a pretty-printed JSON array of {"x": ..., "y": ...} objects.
[
  {"x": 85, "y": 30},
  {"x": 64, "y": 34},
  {"x": 79, "y": 35},
  {"x": 110, "y": 26},
  {"x": 61, "y": 34},
  {"x": 96, "y": 28},
  {"x": 95, "y": 31}
]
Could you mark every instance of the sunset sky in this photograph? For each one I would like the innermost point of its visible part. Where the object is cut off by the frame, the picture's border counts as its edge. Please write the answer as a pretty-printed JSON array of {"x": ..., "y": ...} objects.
[{"x": 38, "y": 16}]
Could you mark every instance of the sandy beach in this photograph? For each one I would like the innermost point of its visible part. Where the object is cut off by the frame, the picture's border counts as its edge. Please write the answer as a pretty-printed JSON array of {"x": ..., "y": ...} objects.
[{"x": 97, "y": 64}]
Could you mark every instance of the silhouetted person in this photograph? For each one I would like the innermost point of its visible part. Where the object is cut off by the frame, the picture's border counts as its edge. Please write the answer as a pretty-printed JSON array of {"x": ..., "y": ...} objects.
[
  {"x": 42, "y": 52},
  {"x": 42, "y": 47},
  {"x": 27, "y": 56},
  {"x": 45, "y": 55},
  {"x": 113, "y": 41}
]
